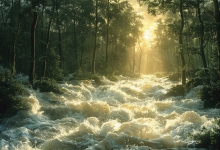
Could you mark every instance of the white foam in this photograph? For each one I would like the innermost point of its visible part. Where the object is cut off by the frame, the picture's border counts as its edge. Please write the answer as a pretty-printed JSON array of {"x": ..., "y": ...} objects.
[{"x": 116, "y": 115}]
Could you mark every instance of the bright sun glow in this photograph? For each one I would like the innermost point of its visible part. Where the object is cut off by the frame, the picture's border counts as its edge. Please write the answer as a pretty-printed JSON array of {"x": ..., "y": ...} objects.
[{"x": 147, "y": 34}]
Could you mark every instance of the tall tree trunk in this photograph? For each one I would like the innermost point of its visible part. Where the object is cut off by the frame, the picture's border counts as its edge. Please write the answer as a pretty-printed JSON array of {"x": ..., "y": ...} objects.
[
  {"x": 134, "y": 59},
  {"x": 107, "y": 36},
  {"x": 33, "y": 49},
  {"x": 59, "y": 36},
  {"x": 202, "y": 46},
  {"x": 42, "y": 31},
  {"x": 140, "y": 55},
  {"x": 114, "y": 55},
  {"x": 183, "y": 73},
  {"x": 13, "y": 69},
  {"x": 95, "y": 46},
  {"x": 6, "y": 44},
  {"x": 74, "y": 30},
  {"x": 82, "y": 52},
  {"x": 46, "y": 49},
  {"x": 217, "y": 20}
]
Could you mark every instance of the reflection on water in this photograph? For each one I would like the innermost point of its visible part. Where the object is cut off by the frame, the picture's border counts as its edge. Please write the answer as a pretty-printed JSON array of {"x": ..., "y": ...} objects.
[{"x": 128, "y": 114}]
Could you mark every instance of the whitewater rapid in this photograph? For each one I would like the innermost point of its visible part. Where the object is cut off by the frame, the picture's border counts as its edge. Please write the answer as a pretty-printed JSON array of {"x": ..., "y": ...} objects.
[{"x": 130, "y": 114}]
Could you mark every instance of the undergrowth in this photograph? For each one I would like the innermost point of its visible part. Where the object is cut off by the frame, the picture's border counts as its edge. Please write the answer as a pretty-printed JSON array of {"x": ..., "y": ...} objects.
[
  {"x": 11, "y": 93},
  {"x": 47, "y": 85},
  {"x": 177, "y": 90},
  {"x": 208, "y": 138},
  {"x": 210, "y": 95}
]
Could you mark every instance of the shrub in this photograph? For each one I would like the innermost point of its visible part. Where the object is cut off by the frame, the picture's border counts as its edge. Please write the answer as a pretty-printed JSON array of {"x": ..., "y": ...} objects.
[
  {"x": 177, "y": 90},
  {"x": 97, "y": 80},
  {"x": 47, "y": 85},
  {"x": 11, "y": 101},
  {"x": 209, "y": 138},
  {"x": 133, "y": 75},
  {"x": 79, "y": 75},
  {"x": 175, "y": 76},
  {"x": 160, "y": 74},
  {"x": 112, "y": 78},
  {"x": 193, "y": 83},
  {"x": 210, "y": 95},
  {"x": 213, "y": 74}
]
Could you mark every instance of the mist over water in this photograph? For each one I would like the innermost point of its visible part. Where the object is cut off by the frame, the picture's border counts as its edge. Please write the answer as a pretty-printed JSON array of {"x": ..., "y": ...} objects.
[{"x": 129, "y": 114}]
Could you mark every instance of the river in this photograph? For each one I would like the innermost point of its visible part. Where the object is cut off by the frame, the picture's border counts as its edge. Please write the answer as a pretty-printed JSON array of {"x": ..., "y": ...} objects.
[{"x": 130, "y": 114}]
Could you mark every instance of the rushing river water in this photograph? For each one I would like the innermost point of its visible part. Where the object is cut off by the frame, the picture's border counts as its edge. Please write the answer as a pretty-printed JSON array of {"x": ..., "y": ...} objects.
[{"x": 126, "y": 115}]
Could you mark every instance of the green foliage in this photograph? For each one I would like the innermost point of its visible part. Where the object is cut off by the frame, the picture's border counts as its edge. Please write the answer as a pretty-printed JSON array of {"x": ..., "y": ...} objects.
[
  {"x": 5, "y": 75},
  {"x": 175, "y": 76},
  {"x": 97, "y": 79},
  {"x": 209, "y": 138},
  {"x": 79, "y": 75},
  {"x": 10, "y": 98},
  {"x": 177, "y": 90},
  {"x": 161, "y": 74},
  {"x": 210, "y": 95},
  {"x": 53, "y": 66},
  {"x": 217, "y": 105},
  {"x": 133, "y": 75},
  {"x": 112, "y": 78},
  {"x": 193, "y": 83},
  {"x": 213, "y": 74},
  {"x": 47, "y": 85}
]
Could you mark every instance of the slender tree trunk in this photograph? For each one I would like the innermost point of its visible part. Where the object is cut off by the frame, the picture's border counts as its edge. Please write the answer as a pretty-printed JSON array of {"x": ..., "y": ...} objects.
[
  {"x": 13, "y": 69},
  {"x": 107, "y": 36},
  {"x": 217, "y": 20},
  {"x": 33, "y": 49},
  {"x": 95, "y": 46},
  {"x": 140, "y": 55},
  {"x": 82, "y": 52},
  {"x": 42, "y": 32},
  {"x": 202, "y": 42},
  {"x": 46, "y": 49},
  {"x": 59, "y": 37},
  {"x": 5, "y": 20},
  {"x": 60, "y": 47},
  {"x": 114, "y": 55},
  {"x": 183, "y": 73},
  {"x": 134, "y": 59},
  {"x": 74, "y": 30}
]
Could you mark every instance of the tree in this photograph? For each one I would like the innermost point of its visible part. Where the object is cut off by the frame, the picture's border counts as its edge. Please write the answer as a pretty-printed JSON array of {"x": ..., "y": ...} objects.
[
  {"x": 33, "y": 47},
  {"x": 157, "y": 7},
  {"x": 202, "y": 44},
  {"x": 107, "y": 33},
  {"x": 95, "y": 44},
  {"x": 217, "y": 20}
]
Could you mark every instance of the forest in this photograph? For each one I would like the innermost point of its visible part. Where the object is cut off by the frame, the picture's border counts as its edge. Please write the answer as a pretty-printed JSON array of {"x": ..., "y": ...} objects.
[
  {"x": 53, "y": 38},
  {"x": 96, "y": 45}
]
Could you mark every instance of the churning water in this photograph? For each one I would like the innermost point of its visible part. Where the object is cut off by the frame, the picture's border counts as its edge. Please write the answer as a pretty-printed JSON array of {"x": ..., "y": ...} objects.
[{"x": 127, "y": 115}]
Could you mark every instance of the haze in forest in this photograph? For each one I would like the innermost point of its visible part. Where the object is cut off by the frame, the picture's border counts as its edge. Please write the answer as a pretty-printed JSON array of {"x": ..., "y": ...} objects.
[{"x": 109, "y": 74}]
